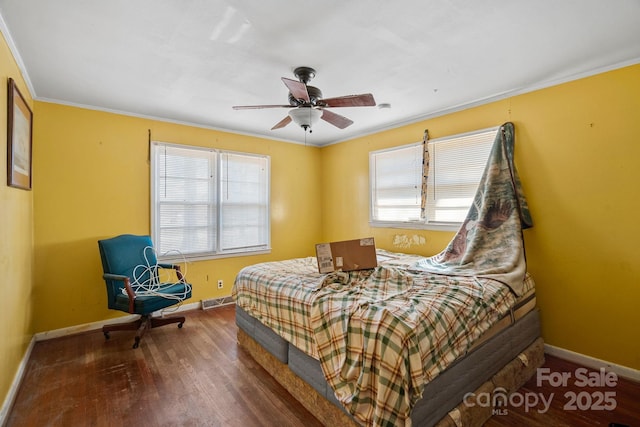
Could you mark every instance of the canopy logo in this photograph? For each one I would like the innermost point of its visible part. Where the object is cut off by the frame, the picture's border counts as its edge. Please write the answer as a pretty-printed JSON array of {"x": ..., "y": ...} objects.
[{"x": 499, "y": 400}]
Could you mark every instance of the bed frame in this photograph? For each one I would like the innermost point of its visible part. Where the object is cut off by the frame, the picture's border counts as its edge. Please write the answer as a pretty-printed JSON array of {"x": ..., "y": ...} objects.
[{"x": 507, "y": 360}]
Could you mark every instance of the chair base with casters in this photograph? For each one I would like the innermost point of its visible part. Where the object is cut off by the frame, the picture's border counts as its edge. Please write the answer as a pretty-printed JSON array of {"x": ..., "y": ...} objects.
[
  {"x": 142, "y": 324},
  {"x": 131, "y": 272}
]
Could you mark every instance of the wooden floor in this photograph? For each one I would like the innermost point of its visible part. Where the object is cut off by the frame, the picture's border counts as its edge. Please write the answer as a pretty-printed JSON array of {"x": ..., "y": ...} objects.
[{"x": 197, "y": 376}]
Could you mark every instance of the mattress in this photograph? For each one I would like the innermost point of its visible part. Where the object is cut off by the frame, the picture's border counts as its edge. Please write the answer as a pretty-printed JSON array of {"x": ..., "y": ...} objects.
[
  {"x": 280, "y": 348},
  {"x": 381, "y": 335},
  {"x": 280, "y": 294}
]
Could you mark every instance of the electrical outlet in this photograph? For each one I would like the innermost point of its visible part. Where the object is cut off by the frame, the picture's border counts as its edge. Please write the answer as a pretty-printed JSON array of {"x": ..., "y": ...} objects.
[{"x": 220, "y": 283}]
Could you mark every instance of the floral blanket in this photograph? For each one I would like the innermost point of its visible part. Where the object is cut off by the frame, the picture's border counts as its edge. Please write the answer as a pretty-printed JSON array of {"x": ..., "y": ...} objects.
[{"x": 489, "y": 243}]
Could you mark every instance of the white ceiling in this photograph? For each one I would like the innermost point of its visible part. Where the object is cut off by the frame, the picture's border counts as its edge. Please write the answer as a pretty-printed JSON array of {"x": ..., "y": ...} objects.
[{"x": 190, "y": 61}]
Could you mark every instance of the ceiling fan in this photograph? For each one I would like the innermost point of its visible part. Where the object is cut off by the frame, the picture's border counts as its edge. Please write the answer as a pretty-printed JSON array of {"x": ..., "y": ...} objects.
[{"x": 308, "y": 106}]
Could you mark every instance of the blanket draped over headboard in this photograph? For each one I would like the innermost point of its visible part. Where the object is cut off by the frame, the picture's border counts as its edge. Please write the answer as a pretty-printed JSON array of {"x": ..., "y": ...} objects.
[{"x": 489, "y": 243}]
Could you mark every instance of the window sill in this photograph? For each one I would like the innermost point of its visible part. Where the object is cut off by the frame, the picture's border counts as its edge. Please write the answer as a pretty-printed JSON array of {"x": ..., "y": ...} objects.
[
  {"x": 417, "y": 225},
  {"x": 206, "y": 257}
]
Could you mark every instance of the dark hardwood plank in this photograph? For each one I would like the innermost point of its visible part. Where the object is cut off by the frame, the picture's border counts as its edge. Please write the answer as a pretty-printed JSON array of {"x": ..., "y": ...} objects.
[
  {"x": 194, "y": 376},
  {"x": 198, "y": 376}
]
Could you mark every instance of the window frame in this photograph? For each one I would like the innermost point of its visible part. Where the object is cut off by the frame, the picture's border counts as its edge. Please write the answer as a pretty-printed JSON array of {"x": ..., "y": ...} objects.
[
  {"x": 373, "y": 188},
  {"x": 214, "y": 203},
  {"x": 423, "y": 223}
]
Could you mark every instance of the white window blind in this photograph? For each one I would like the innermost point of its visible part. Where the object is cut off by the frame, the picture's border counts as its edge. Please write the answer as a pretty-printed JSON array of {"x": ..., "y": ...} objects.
[
  {"x": 208, "y": 202},
  {"x": 244, "y": 202},
  {"x": 456, "y": 165},
  {"x": 455, "y": 168},
  {"x": 396, "y": 181}
]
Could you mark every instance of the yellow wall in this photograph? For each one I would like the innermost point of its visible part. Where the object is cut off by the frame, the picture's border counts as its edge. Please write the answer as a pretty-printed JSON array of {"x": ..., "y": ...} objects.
[
  {"x": 577, "y": 152},
  {"x": 581, "y": 251},
  {"x": 16, "y": 244},
  {"x": 93, "y": 182}
]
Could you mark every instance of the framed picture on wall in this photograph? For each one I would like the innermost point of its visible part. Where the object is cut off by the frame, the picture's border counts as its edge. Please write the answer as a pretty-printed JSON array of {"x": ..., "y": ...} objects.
[{"x": 19, "y": 126}]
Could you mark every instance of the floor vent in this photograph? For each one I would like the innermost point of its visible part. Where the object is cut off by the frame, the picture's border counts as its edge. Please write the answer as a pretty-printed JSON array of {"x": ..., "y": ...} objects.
[{"x": 216, "y": 302}]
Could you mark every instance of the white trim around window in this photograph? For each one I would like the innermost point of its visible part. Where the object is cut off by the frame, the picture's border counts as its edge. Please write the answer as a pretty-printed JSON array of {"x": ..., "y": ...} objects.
[
  {"x": 208, "y": 203},
  {"x": 456, "y": 165}
]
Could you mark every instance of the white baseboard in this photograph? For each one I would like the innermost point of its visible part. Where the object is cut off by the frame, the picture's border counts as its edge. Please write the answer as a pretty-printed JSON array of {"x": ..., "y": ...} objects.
[
  {"x": 592, "y": 362},
  {"x": 93, "y": 326},
  {"x": 15, "y": 384}
]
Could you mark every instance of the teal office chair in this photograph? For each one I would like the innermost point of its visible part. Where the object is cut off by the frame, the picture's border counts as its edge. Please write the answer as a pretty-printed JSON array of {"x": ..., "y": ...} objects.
[{"x": 131, "y": 273}]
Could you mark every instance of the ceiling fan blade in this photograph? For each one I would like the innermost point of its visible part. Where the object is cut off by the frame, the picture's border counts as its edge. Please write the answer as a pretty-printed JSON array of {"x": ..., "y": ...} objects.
[
  {"x": 336, "y": 119},
  {"x": 297, "y": 89},
  {"x": 364, "y": 100},
  {"x": 282, "y": 123},
  {"x": 255, "y": 107}
]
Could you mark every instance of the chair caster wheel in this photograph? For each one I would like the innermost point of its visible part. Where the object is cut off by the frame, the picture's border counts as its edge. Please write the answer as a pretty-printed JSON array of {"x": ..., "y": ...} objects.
[
  {"x": 180, "y": 325},
  {"x": 106, "y": 335},
  {"x": 135, "y": 345}
]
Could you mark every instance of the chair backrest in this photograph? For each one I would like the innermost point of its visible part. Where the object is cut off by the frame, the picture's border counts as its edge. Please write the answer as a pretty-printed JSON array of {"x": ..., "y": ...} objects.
[{"x": 122, "y": 255}]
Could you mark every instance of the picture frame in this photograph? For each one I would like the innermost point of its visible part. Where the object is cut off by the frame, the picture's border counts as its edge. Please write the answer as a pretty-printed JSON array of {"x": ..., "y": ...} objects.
[{"x": 19, "y": 139}]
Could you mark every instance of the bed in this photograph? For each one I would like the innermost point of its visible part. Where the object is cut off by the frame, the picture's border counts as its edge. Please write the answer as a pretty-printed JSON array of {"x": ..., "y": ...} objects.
[
  {"x": 444, "y": 337},
  {"x": 414, "y": 340}
]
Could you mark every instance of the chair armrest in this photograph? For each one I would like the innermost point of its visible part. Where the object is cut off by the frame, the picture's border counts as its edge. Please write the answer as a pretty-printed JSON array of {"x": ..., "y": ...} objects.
[
  {"x": 175, "y": 267},
  {"x": 127, "y": 287},
  {"x": 168, "y": 266},
  {"x": 111, "y": 276}
]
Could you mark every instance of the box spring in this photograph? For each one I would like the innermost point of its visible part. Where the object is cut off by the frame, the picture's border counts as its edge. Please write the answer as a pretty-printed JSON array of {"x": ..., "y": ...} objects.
[{"x": 472, "y": 372}]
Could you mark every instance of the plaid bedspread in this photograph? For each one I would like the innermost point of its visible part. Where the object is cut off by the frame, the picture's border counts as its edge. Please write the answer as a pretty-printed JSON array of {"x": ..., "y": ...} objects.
[
  {"x": 280, "y": 294},
  {"x": 380, "y": 334}
]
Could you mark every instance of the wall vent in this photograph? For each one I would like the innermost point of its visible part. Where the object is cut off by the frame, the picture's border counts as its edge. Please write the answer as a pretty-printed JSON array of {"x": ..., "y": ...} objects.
[{"x": 216, "y": 302}]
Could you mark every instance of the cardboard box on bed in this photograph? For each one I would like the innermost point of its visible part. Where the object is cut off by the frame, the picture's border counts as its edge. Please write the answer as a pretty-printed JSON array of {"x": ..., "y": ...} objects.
[{"x": 348, "y": 255}]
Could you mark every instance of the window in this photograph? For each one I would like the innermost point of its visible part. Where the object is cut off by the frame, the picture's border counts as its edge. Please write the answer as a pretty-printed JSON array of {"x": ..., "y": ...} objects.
[
  {"x": 456, "y": 165},
  {"x": 207, "y": 203},
  {"x": 396, "y": 183}
]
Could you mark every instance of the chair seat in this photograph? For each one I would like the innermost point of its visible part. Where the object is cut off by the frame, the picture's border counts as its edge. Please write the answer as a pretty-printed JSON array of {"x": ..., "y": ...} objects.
[{"x": 148, "y": 304}]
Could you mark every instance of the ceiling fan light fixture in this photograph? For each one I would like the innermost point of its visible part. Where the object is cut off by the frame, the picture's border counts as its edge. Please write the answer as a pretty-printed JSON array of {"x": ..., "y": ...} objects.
[
  {"x": 305, "y": 117},
  {"x": 307, "y": 105}
]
